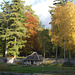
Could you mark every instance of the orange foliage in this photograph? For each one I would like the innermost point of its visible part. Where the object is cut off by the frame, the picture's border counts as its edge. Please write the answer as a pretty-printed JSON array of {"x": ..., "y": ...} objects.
[{"x": 31, "y": 24}]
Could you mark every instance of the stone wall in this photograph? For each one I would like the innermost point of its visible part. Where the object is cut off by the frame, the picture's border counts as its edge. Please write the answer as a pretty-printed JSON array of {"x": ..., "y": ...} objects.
[
  {"x": 46, "y": 60},
  {"x": 1, "y": 60},
  {"x": 59, "y": 61},
  {"x": 11, "y": 60}
]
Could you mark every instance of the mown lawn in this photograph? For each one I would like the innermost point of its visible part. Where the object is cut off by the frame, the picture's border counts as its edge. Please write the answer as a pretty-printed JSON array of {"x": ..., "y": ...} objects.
[{"x": 34, "y": 69}]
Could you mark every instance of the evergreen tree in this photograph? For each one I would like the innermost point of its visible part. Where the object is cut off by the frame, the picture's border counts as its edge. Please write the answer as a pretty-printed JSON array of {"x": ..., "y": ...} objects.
[
  {"x": 15, "y": 30},
  {"x": 4, "y": 24}
]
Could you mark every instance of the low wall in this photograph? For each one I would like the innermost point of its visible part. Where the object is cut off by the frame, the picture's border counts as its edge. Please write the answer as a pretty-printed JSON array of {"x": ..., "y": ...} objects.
[
  {"x": 1, "y": 60},
  {"x": 52, "y": 60},
  {"x": 11, "y": 60},
  {"x": 59, "y": 61}
]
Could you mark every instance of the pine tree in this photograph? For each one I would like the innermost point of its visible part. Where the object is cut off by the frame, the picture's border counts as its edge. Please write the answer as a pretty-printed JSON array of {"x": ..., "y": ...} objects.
[
  {"x": 4, "y": 24},
  {"x": 16, "y": 32}
]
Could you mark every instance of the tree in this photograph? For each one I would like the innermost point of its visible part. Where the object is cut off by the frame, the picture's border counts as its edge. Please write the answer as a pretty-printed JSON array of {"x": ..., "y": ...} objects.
[
  {"x": 44, "y": 43},
  {"x": 2, "y": 43},
  {"x": 60, "y": 2},
  {"x": 31, "y": 11},
  {"x": 32, "y": 24},
  {"x": 63, "y": 23},
  {"x": 16, "y": 32},
  {"x": 4, "y": 24}
]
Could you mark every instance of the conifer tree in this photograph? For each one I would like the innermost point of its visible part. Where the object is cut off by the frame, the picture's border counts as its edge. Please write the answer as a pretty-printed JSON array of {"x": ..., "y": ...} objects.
[
  {"x": 16, "y": 32},
  {"x": 4, "y": 24}
]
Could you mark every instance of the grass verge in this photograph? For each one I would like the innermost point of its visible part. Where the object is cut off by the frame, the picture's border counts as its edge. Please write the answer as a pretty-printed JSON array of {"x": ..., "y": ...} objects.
[{"x": 34, "y": 69}]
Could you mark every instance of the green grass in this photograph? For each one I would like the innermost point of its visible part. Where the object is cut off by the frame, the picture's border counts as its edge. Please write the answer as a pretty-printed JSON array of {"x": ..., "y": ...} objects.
[{"x": 33, "y": 69}]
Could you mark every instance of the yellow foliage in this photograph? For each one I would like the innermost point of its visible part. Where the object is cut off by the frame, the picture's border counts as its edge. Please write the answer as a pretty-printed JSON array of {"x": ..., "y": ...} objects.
[{"x": 63, "y": 24}]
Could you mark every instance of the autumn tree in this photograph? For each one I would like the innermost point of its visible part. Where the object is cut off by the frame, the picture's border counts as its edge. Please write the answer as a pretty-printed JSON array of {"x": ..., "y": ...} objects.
[
  {"x": 63, "y": 23},
  {"x": 59, "y": 2},
  {"x": 32, "y": 24}
]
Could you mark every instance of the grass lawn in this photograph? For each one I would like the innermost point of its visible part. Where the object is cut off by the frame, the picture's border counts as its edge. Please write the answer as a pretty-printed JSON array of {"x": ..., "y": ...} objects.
[{"x": 34, "y": 69}]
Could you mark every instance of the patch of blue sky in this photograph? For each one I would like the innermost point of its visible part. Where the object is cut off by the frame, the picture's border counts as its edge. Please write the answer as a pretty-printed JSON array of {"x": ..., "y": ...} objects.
[{"x": 74, "y": 1}]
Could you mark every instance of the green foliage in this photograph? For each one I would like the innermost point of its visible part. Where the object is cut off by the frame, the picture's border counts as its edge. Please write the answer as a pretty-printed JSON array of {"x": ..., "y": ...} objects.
[
  {"x": 44, "y": 43},
  {"x": 12, "y": 26}
]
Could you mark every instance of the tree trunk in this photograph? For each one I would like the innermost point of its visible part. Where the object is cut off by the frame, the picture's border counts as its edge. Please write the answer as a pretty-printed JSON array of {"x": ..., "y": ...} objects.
[
  {"x": 64, "y": 50},
  {"x": 6, "y": 49},
  {"x": 6, "y": 42},
  {"x": 44, "y": 49},
  {"x": 69, "y": 54},
  {"x": 56, "y": 52},
  {"x": 15, "y": 48},
  {"x": 69, "y": 50},
  {"x": 5, "y": 59}
]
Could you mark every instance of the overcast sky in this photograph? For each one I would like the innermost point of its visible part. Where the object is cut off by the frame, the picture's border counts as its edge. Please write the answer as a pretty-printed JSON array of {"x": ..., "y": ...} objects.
[{"x": 41, "y": 8}]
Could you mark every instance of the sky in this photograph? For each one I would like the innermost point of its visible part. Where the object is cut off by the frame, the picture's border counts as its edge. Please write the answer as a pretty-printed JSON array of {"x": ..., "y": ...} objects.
[{"x": 41, "y": 8}]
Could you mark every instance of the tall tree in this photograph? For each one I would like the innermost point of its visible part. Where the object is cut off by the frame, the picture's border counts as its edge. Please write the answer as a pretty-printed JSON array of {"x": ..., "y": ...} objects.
[
  {"x": 59, "y": 2},
  {"x": 63, "y": 23},
  {"x": 2, "y": 43},
  {"x": 16, "y": 32},
  {"x": 44, "y": 43},
  {"x": 32, "y": 24},
  {"x": 4, "y": 23}
]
